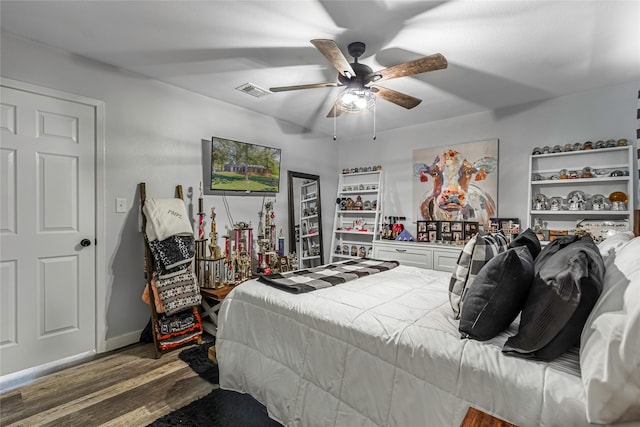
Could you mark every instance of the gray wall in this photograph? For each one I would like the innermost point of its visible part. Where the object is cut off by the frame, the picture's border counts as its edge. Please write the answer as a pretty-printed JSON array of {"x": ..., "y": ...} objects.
[
  {"x": 154, "y": 133},
  {"x": 599, "y": 114}
]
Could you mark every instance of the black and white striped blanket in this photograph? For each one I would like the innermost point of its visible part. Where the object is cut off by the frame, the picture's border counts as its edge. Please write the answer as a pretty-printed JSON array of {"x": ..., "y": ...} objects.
[{"x": 324, "y": 276}]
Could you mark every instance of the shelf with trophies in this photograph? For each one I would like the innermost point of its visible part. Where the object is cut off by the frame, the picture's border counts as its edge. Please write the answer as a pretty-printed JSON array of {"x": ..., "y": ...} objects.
[
  {"x": 581, "y": 186},
  {"x": 358, "y": 213},
  {"x": 218, "y": 272},
  {"x": 271, "y": 257}
]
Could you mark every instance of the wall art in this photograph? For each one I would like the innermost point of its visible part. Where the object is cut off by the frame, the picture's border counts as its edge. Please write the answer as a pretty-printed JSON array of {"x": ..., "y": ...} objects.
[{"x": 456, "y": 183}]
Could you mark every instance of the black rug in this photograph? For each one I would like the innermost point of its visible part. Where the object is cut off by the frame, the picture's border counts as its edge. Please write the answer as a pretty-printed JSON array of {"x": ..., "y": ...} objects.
[{"x": 220, "y": 408}]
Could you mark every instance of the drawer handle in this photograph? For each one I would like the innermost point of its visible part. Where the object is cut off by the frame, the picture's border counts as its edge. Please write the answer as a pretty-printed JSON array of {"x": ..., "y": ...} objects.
[{"x": 400, "y": 250}]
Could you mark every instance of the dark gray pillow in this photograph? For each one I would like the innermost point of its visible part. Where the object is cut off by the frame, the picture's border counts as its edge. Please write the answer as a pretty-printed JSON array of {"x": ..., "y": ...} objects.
[
  {"x": 497, "y": 295},
  {"x": 476, "y": 253},
  {"x": 568, "y": 280},
  {"x": 529, "y": 239}
]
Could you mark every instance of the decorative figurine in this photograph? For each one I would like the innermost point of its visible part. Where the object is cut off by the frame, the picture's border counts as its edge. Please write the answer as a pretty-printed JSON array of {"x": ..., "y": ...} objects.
[
  {"x": 358, "y": 204},
  {"x": 618, "y": 201},
  {"x": 586, "y": 172},
  {"x": 350, "y": 204},
  {"x": 555, "y": 204},
  {"x": 599, "y": 203},
  {"x": 576, "y": 201},
  {"x": 200, "y": 215},
  {"x": 214, "y": 249},
  {"x": 540, "y": 202}
]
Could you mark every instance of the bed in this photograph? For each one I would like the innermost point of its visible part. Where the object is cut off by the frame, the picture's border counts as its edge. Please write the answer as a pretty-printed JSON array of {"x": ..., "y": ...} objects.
[{"x": 383, "y": 350}]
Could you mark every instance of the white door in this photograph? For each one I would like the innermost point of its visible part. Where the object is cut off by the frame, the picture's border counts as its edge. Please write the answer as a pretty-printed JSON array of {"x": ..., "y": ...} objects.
[{"x": 47, "y": 229}]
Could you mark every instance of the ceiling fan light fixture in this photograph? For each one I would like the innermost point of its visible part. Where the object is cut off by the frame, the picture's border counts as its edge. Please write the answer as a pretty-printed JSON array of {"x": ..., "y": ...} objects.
[{"x": 355, "y": 100}]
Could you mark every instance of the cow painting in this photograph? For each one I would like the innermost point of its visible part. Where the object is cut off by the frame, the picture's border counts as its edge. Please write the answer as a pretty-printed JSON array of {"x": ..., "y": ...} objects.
[{"x": 451, "y": 188}]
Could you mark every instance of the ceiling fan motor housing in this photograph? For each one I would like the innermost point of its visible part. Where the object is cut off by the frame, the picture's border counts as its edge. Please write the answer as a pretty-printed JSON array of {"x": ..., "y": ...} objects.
[
  {"x": 356, "y": 49},
  {"x": 360, "y": 79}
]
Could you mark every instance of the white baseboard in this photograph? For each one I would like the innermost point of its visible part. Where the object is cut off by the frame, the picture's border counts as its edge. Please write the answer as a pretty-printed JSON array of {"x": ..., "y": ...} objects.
[
  {"x": 122, "y": 340},
  {"x": 17, "y": 379}
]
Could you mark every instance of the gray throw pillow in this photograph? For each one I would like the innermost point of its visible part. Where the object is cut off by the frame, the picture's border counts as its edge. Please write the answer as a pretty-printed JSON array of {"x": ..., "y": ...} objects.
[
  {"x": 529, "y": 239},
  {"x": 497, "y": 295},
  {"x": 470, "y": 261},
  {"x": 568, "y": 280}
]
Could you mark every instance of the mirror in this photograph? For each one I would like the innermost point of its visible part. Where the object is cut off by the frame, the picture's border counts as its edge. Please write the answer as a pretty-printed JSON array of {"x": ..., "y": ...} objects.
[{"x": 305, "y": 219}]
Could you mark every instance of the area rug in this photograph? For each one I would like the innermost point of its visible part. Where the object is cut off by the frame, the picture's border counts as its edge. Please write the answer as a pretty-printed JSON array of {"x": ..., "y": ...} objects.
[{"x": 220, "y": 408}]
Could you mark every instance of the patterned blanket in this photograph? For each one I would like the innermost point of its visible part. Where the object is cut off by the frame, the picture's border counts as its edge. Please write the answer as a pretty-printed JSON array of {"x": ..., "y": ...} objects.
[{"x": 324, "y": 276}]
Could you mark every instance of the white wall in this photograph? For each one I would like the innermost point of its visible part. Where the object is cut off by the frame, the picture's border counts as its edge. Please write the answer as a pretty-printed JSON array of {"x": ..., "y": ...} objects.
[
  {"x": 599, "y": 114},
  {"x": 153, "y": 134}
]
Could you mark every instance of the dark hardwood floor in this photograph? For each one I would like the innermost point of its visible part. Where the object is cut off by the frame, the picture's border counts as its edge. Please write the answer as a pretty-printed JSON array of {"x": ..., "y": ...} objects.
[{"x": 127, "y": 387}]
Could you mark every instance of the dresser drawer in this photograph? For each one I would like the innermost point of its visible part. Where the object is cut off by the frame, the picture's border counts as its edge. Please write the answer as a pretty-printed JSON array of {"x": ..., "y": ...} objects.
[
  {"x": 446, "y": 260},
  {"x": 406, "y": 256},
  {"x": 418, "y": 254}
]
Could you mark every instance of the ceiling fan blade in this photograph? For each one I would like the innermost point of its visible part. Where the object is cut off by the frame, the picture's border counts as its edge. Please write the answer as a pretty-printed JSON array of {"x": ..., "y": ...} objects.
[
  {"x": 422, "y": 65},
  {"x": 332, "y": 52},
  {"x": 335, "y": 111},
  {"x": 309, "y": 86},
  {"x": 396, "y": 97}
]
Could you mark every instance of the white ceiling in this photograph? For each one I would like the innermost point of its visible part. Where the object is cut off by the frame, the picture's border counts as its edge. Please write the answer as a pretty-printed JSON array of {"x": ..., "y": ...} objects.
[{"x": 500, "y": 53}]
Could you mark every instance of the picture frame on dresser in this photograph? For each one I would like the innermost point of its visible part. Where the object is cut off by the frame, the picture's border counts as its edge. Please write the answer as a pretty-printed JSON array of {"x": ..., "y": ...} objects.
[
  {"x": 433, "y": 231},
  {"x": 421, "y": 231},
  {"x": 444, "y": 231},
  {"x": 470, "y": 229},
  {"x": 457, "y": 231}
]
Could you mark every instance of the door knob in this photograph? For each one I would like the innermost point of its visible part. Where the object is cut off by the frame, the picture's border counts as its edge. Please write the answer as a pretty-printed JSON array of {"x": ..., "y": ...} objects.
[{"x": 85, "y": 242}]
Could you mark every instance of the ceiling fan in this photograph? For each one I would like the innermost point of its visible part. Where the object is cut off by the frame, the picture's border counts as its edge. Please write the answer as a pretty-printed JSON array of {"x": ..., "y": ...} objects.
[{"x": 359, "y": 77}]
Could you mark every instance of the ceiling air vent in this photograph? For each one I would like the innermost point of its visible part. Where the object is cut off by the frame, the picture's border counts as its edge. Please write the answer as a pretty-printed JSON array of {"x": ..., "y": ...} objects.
[{"x": 253, "y": 90}]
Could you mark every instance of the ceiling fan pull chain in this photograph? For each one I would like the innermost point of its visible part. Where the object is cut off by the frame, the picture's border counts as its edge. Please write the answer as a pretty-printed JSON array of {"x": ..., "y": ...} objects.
[
  {"x": 334, "y": 126},
  {"x": 374, "y": 121},
  {"x": 335, "y": 117}
]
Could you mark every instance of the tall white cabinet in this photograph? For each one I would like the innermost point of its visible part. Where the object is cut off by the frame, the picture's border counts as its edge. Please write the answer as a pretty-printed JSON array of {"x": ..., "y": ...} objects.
[
  {"x": 611, "y": 171},
  {"x": 358, "y": 215}
]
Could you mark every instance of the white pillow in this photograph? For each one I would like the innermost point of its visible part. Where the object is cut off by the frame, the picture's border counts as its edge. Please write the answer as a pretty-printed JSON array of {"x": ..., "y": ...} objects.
[
  {"x": 610, "y": 351},
  {"x": 614, "y": 242}
]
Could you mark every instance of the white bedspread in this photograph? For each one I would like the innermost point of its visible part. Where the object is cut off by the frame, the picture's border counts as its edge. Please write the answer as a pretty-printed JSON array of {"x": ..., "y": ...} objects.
[{"x": 383, "y": 350}]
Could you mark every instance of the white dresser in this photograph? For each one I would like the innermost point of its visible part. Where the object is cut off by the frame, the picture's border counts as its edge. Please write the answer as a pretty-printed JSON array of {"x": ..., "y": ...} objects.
[{"x": 418, "y": 254}]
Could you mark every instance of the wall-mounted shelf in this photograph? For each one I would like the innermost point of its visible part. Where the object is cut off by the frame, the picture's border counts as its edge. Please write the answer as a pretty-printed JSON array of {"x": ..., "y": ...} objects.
[
  {"x": 544, "y": 179},
  {"x": 357, "y": 218}
]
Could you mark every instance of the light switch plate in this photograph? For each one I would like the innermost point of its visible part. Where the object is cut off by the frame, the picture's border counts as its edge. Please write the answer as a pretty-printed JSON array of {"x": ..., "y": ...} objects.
[{"x": 121, "y": 205}]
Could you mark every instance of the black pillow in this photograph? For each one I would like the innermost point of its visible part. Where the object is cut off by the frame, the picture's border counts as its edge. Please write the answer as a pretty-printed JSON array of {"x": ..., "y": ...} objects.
[
  {"x": 529, "y": 239},
  {"x": 568, "y": 280},
  {"x": 497, "y": 295}
]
